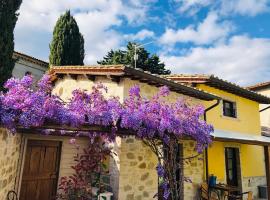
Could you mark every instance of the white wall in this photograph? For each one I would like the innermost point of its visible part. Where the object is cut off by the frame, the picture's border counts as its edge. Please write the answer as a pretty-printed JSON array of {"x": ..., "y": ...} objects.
[{"x": 22, "y": 66}]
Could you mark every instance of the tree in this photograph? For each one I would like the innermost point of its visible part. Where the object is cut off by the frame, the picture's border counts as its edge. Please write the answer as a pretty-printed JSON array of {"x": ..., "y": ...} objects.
[
  {"x": 67, "y": 46},
  {"x": 145, "y": 61},
  {"x": 8, "y": 19}
]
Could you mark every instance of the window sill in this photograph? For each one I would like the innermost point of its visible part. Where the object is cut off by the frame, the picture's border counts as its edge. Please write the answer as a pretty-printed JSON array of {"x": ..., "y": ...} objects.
[{"x": 230, "y": 118}]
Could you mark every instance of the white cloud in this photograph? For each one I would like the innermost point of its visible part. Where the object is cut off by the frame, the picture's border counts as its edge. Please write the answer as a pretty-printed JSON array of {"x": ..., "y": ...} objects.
[
  {"x": 96, "y": 20},
  {"x": 225, "y": 7},
  {"x": 243, "y": 60},
  {"x": 139, "y": 36},
  {"x": 208, "y": 31},
  {"x": 191, "y": 7},
  {"x": 244, "y": 7}
]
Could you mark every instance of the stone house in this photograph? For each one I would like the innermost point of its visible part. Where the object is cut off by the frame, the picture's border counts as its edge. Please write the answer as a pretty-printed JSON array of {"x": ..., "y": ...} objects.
[
  {"x": 25, "y": 64},
  {"x": 132, "y": 169}
]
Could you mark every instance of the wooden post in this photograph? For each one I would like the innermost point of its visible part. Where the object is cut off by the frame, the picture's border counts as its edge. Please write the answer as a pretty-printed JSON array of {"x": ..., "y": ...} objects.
[
  {"x": 267, "y": 169},
  {"x": 206, "y": 166}
]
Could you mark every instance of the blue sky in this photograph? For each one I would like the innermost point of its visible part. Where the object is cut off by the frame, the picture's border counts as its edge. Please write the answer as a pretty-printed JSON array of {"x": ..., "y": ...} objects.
[{"x": 228, "y": 38}]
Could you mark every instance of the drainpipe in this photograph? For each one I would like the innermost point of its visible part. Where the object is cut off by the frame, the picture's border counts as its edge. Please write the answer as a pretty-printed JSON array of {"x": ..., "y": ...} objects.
[
  {"x": 264, "y": 109},
  {"x": 206, "y": 150}
]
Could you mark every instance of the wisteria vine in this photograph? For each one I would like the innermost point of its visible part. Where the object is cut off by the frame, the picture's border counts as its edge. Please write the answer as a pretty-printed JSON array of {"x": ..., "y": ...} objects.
[{"x": 24, "y": 105}]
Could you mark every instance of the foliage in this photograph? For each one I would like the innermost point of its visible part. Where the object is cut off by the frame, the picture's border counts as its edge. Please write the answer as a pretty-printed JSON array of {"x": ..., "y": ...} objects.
[
  {"x": 8, "y": 19},
  {"x": 153, "y": 120},
  {"x": 67, "y": 46},
  {"x": 145, "y": 61},
  {"x": 78, "y": 186}
]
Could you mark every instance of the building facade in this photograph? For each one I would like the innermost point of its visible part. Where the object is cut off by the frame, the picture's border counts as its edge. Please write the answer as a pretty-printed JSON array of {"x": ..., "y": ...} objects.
[
  {"x": 236, "y": 155},
  {"x": 236, "y": 120},
  {"x": 25, "y": 64}
]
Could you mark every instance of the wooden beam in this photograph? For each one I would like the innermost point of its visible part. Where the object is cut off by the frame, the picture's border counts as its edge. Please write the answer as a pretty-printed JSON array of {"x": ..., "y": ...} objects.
[
  {"x": 84, "y": 128},
  {"x": 91, "y": 77},
  {"x": 116, "y": 79},
  {"x": 61, "y": 76},
  {"x": 206, "y": 165},
  {"x": 267, "y": 169},
  {"x": 74, "y": 76}
]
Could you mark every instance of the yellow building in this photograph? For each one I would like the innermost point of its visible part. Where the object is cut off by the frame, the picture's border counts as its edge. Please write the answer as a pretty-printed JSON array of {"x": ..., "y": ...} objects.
[{"x": 236, "y": 155}]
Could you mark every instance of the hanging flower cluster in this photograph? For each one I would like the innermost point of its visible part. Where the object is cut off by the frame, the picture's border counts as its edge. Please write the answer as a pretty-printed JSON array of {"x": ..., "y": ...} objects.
[
  {"x": 156, "y": 118},
  {"x": 25, "y": 106}
]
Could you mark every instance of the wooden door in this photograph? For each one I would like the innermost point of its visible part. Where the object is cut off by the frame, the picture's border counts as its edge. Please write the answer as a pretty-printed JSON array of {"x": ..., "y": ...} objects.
[
  {"x": 231, "y": 155},
  {"x": 40, "y": 173}
]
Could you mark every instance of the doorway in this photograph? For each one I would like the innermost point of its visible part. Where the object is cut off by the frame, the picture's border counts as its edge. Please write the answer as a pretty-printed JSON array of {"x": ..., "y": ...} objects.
[
  {"x": 233, "y": 170},
  {"x": 40, "y": 172}
]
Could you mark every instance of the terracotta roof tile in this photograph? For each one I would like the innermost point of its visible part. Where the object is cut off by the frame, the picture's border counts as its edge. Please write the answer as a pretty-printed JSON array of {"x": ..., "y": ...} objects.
[
  {"x": 259, "y": 86},
  {"x": 121, "y": 70},
  {"x": 214, "y": 81},
  {"x": 95, "y": 69},
  {"x": 30, "y": 59}
]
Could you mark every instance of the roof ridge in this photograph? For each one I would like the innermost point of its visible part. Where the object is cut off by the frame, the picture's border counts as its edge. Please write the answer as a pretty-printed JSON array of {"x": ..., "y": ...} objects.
[
  {"x": 258, "y": 85},
  {"x": 30, "y": 58},
  {"x": 227, "y": 86},
  {"x": 186, "y": 75}
]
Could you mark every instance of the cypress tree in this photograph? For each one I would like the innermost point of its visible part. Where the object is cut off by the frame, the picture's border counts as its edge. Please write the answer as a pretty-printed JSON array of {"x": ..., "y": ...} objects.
[
  {"x": 67, "y": 46},
  {"x": 8, "y": 19}
]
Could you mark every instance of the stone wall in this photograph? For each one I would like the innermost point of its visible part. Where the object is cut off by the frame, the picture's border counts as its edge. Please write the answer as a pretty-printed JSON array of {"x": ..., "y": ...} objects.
[
  {"x": 138, "y": 178},
  {"x": 114, "y": 166},
  {"x": 252, "y": 183},
  {"x": 137, "y": 173},
  {"x": 193, "y": 170},
  {"x": 9, "y": 158}
]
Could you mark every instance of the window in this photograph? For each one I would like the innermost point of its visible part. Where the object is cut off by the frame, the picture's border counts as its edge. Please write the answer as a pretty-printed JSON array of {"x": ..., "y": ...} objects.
[
  {"x": 27, "y": 73},
  {"x": 229, "y": 108}
]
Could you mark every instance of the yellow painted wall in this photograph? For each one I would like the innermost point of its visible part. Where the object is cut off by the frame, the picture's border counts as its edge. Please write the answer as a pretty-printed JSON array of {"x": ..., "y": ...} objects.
[
  {"x": 247, "y": 121},
  {"x": 251, "y": 159},
  {"x": 248, "y": 117}
]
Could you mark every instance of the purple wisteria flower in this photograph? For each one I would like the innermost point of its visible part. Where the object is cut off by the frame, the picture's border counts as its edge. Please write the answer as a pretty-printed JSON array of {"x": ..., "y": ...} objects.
[
  {"x": 148, "y": 119},
  {"x": 160, "y": 170}
]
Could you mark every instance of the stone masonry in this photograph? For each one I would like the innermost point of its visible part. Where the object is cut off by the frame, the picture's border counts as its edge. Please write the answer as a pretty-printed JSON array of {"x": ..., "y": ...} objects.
[
  {"x": 193, "y": 171},
  {"x": 252, "y": 183},
  {"x": 138, "y": 179},
  {"x": 9, "y": 151}
]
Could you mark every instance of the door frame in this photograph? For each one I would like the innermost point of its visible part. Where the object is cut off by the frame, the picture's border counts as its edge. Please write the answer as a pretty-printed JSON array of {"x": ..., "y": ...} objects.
[
  {"x": 239, "y": 166},
  {"x": 25, "y": 139}
]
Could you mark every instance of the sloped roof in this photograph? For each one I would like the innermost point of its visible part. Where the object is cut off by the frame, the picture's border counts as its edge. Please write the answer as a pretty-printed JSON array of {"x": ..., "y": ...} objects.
[
  {"x": 117, "y": 71},
  {"x": 216, "y": 82},
  {"x": 30, "y": 59},
  {"x": 259, "y": 86}
]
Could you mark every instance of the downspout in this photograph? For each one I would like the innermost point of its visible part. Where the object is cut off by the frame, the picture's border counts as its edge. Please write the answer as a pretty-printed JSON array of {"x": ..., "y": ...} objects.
[
  {"x": 206, "y": 150},
  {"x": 264, "y": 109}
]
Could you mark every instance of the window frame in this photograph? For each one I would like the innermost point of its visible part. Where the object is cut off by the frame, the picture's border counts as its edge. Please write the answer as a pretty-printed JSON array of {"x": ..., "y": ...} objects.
[{"x": 234, "y": 109}]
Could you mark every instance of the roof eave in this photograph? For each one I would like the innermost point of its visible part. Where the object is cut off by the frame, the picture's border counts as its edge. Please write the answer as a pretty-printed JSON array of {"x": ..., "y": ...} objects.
[
  {"x": 177, "y": 87},
  {"x": 31, "y": 59},
  {"x": 221, "y": 84},
  {"x": 137, "y": 74}
]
